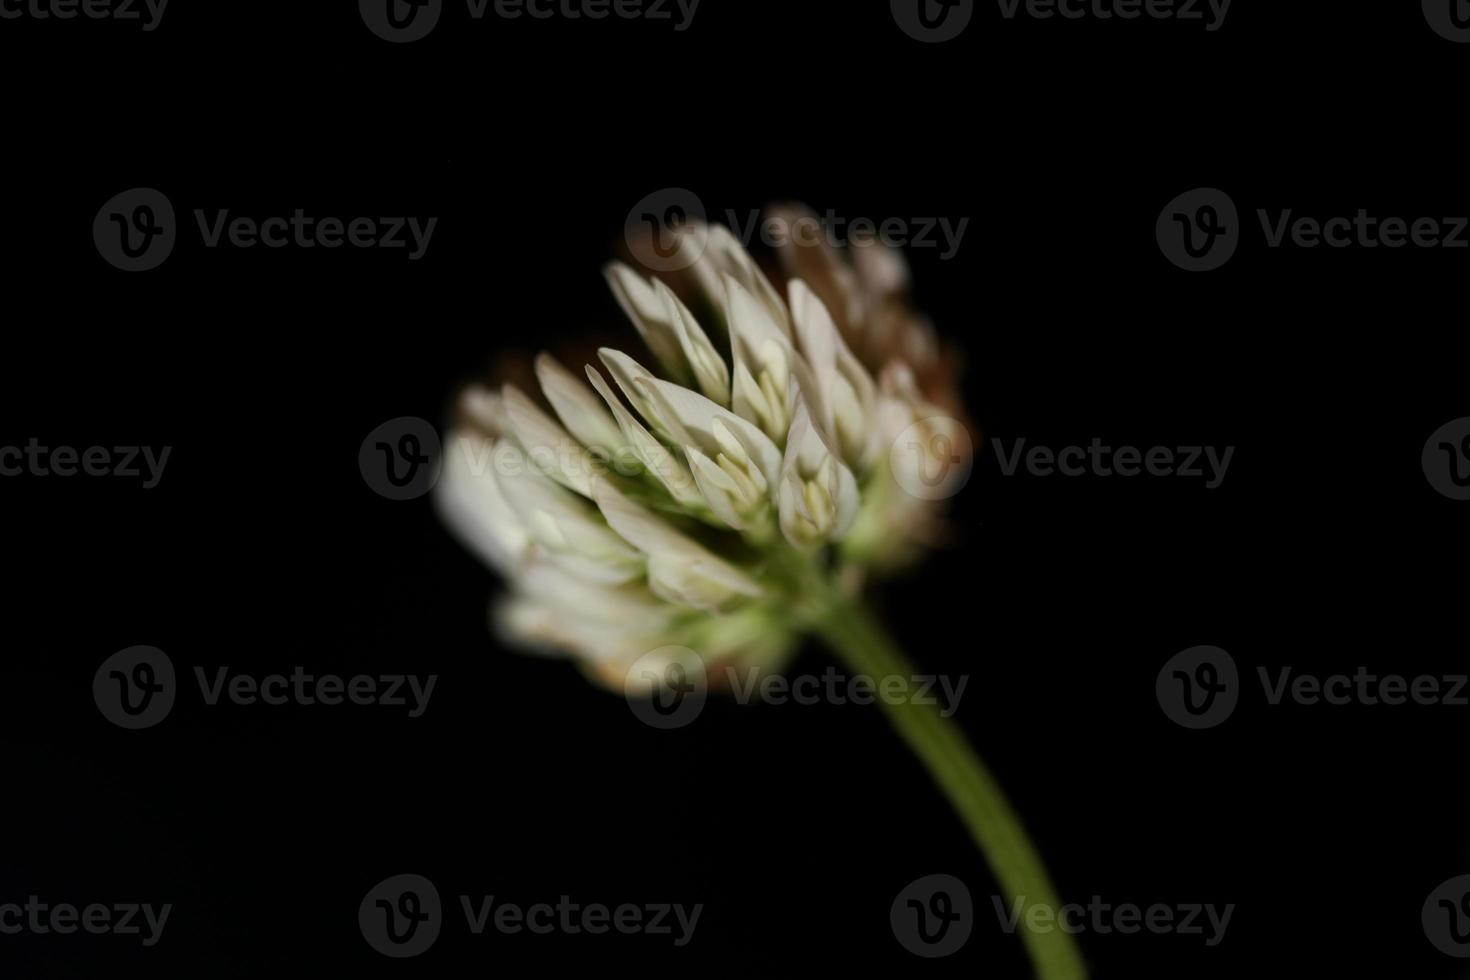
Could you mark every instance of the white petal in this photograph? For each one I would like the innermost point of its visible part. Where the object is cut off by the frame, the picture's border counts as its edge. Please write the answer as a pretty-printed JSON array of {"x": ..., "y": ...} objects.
[
  {"x": 752, "y": 328},
  {"x": 818, "y": 495},
  {"x": 765, "y": 406},
  {"x": 844, "y": 392},
  {"x": 483, "y": 407},
  {"x": 643, "y": 305},
  {"x": 708, "y": 367},
  {"x": 628, "y": 373},
  {"x": 528, "y": 622},
  {"x": 703, "y": 421},
  {"x": 679, "y": 569},
  {"x": 580, "y": 599},
  {"x": 667, "y": 469},
  {"x": 579, "y": 409},
  {"x": 723, "y": 256},
  {"x": 547, "y": 445},
  {"x": 471, "y": 504},
  {"x": 720, "y": 489},
  {"x": 765, "y": 363},
  {"x": 696, "y": 583},
  {"x": 563, "y": 523}
]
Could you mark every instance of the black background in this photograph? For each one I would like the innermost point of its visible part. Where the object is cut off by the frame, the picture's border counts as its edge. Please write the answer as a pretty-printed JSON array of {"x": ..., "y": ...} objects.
[{"x": 262, "y": 548}]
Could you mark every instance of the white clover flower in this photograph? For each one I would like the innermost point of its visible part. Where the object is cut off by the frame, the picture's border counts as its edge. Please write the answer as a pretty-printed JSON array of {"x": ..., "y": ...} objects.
[
  {"x": 631, "y": 509},
  {"x": 739, "y": 498}
]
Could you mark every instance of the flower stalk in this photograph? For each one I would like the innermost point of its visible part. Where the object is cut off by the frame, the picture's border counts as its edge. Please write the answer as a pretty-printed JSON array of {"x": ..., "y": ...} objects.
[{"x": 860, "y": 642}]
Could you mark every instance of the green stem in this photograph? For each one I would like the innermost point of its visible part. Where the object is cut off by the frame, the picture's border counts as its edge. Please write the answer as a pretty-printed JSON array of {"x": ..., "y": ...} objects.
[{"x": 865, "y": 648}]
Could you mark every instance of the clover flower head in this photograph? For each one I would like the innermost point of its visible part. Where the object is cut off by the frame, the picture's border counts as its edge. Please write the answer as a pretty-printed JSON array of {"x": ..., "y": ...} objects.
[{"x": 687, "y": 498}]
